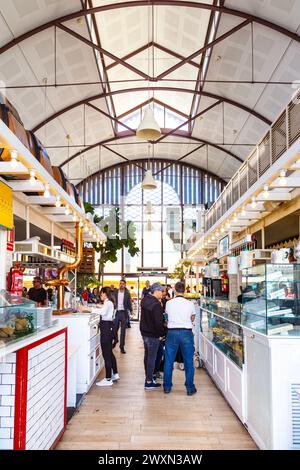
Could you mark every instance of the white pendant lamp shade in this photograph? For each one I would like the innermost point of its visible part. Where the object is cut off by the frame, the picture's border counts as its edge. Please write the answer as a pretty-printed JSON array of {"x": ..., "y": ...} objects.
[
  {"x": 149, "y": 226},
  {"x": 149, "y": 182},
  {"x": 148, "y": 128},
  {"x": 149, "y": 209}
]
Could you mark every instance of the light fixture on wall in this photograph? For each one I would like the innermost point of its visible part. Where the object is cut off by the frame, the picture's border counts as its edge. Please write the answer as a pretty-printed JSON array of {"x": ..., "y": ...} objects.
[
  {"x": 13, "y": 158},
  {"x": 58, "y": 201},
  {"x": 47, "y": 191},
  {"x": 32, "y": 178},
  {"x": 282, "y": 178},
  {"x": 266, "y": 191}
]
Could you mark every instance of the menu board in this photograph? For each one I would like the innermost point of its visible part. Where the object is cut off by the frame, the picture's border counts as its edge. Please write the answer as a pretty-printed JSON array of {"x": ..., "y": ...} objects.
[{"x": 224, "y": 246}]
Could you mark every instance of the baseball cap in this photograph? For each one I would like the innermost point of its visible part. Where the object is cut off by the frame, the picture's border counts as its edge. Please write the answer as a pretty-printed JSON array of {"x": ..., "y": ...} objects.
[{"x": 156, "y": 286}]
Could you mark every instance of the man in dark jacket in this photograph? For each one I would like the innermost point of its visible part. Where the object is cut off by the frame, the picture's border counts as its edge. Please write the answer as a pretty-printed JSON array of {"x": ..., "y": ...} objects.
[
  {"x": 152, "y": 329},
  {"x": 123, "y": 310}
]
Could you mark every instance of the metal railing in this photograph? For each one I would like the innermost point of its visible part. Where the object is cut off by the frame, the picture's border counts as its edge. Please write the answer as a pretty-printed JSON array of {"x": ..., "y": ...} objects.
[{"x": 282, "y": 134}]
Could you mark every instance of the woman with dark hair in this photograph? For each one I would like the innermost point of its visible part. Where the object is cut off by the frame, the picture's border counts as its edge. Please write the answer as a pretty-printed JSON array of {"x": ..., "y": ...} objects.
[{"x": 107, "y": 314}]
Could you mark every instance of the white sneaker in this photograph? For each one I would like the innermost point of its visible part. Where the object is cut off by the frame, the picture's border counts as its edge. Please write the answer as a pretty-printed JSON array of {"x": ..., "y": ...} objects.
[
  {"x": 115, "y": 377},
  {"x": 104, "y": 383}
]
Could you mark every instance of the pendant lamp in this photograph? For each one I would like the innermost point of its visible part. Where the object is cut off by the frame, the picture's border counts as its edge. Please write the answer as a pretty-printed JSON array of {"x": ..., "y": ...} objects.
[
  {"x": 149, "y": 226},
  {"x": 149, "y": 209},
  {"x": 149, "y": 182},
  {"x": 148, "y": 128}
]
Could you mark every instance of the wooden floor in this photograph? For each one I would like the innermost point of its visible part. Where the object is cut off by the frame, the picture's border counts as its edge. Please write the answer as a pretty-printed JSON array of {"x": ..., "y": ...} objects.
[{"x": 126, "y": 416}]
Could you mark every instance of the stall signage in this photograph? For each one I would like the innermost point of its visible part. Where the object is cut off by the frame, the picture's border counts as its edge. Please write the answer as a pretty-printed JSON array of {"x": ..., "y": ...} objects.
[
  {"x": 224, "y": 246},
  {"x": 6, "y": 206},
  {"x": 10, "y": 239}
]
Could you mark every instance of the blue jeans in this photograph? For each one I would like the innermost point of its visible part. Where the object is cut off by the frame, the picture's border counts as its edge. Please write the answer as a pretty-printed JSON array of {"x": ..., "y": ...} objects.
[
  {"x": 184, "y": 339},
  {"x": 159, "y": 356},
  {"x": 151, "y": 347}
]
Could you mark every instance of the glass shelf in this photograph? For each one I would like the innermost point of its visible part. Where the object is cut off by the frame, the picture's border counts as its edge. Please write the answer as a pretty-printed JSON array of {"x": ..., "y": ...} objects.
[{"x": 271, "y": 299}]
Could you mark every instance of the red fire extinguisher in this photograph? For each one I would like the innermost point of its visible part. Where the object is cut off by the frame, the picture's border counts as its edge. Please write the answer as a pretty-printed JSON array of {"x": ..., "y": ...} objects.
[
  {"x": 15, "y": 280},
  {"x": 225, "y": 283}
]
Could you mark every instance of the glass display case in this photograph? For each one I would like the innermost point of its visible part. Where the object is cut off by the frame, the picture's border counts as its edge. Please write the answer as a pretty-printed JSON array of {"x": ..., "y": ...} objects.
[
  {"x": 220, "y": 325},
  {"x": 18, "y": 318},
  {"x": 271, "y": 299}
]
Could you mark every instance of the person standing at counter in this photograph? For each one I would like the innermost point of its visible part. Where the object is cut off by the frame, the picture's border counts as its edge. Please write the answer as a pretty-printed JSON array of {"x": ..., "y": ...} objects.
[
  {"x": 124, "y": 308},
  {"x": 106, "y": 337},
  {"x": 94, "y": 296},
  {"x": 181, "y": 313},
  {"x": 37, "y": 293}
]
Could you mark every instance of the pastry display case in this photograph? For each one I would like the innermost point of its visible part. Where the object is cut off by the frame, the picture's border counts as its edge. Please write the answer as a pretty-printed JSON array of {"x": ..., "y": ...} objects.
[
  {"x": 18, "y": 318},
  {"x": 271, "y": 299},
  {"x": 220, "y": 325}
]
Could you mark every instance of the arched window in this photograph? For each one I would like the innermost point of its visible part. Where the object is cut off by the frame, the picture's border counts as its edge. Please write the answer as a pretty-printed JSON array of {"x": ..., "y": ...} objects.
[{"x": 177, "y": 204}]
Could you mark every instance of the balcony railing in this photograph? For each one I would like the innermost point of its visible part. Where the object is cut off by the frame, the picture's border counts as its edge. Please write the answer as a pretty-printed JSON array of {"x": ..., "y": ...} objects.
[{"x": 282, "y": 134}]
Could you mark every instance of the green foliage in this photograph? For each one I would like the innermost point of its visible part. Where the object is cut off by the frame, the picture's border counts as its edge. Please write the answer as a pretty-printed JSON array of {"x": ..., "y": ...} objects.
[
  {"x": 181, "y": 269},
  {"x": 87, "y": 280},
  {"x": 119, "y": 235}
]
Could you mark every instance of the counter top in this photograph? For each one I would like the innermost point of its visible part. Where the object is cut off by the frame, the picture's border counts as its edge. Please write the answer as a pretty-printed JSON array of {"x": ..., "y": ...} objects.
[{"x": 22, "y": 343}]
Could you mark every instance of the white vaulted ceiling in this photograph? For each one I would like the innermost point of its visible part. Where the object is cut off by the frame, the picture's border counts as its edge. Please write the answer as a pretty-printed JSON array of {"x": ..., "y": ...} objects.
[{"x": 150, "y": 38}]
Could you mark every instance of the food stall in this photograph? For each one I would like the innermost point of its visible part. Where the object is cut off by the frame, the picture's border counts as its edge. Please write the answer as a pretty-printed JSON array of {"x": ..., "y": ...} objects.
[
  {"x": 251, "y": 350},
  {"x": 38, "y": 357}
]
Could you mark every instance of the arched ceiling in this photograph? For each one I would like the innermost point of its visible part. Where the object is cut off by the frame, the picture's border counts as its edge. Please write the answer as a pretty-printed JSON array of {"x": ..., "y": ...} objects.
[{"x": 225, "y": 69}]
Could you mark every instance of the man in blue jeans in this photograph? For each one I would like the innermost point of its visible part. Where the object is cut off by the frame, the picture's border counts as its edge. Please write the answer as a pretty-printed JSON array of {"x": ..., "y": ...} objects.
[
  {"x": 181, "y": 313},
  {"x": 152, "y": 329}
]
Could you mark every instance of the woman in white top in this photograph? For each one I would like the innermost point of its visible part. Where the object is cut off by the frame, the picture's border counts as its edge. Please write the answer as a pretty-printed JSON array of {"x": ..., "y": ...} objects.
[{"x": 106, "y": 337}]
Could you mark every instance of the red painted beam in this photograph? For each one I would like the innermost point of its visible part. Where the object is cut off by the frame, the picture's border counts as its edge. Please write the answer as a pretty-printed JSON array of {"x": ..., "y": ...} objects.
[
  {"x": 203, "y": 49},
  {"x": 188, "y": 121},
  {"x": 111, "y": 117},
  {"x": 126, "y": 134},
  {"x": 104, "y": 52}
]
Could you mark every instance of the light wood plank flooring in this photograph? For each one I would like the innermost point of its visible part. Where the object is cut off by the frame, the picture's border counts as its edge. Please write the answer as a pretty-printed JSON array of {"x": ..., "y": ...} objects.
[{"x": 125, "y": 416}]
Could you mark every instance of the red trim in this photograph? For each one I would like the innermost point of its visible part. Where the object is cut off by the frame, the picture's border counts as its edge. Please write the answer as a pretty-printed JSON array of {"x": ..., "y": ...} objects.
[
  {"x": 66, "y": 377},
  {"x": 21, "y": 390},
  {"x": 57, "y": 439},
  {"x": 21, "y": 399}
]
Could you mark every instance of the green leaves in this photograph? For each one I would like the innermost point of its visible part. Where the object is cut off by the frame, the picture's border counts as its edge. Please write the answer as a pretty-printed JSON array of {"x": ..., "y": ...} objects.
[{"x": 119, "y": 235}]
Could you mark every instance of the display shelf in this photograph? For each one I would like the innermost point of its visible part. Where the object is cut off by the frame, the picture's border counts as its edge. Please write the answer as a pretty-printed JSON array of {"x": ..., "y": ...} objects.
[
  {"x": 223, "y": 329},
  {"x": 271, "y": 299}
]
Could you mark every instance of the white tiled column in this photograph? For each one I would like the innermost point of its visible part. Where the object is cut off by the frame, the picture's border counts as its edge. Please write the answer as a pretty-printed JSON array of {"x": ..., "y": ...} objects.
[{"x": 7, "y": 401}]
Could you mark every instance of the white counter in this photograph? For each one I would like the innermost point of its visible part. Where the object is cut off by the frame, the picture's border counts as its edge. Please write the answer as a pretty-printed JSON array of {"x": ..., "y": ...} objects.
[
  {"x": 33, "y": 391},
  {"x": 84, "y": 334},
  {"x": 10, "y": 348}
]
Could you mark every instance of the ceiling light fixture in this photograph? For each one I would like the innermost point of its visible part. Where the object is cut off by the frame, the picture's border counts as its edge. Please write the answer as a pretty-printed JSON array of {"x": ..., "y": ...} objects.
[
  {"x": 253, "y": 203},
  {"x": 243, "y": 213},
  {"x": 86, "y": 228},
  {"x": 32, "y": 178},
  {"x": 47, "y": 191},
  {"x": 282, "y": 178},
  {"x": 14, "y": 158},
  {"x": 58, "y": 201},
  {"x": 67, "y": 210},
  {"x": 266, "y": 191}
]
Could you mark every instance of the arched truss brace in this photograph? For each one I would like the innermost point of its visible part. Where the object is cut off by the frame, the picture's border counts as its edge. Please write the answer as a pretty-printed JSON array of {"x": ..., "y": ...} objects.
[{"x": 151, "y": 88}]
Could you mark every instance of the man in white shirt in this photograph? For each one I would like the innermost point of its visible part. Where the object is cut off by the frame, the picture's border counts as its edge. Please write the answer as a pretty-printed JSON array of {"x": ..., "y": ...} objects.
[{"x": 181, "y": 314}]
